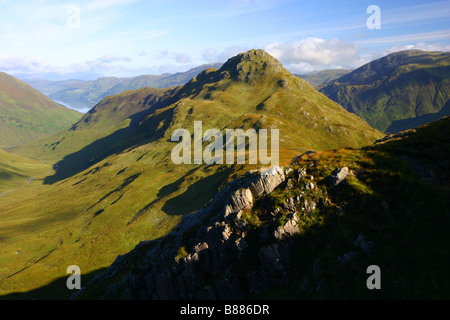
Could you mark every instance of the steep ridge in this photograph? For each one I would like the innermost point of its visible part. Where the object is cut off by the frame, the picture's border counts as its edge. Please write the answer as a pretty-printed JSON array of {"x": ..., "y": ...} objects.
[
  {"x": 397, "y": 92},
  {"x": 309, "y": 230},
  {"x": 116, "y": 184},
  {"x": 26, "y": 114}
]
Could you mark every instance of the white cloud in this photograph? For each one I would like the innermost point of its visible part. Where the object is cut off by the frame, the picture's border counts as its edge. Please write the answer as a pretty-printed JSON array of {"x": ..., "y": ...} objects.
[
  {"x": 35, "y": 65},
  {"x": 182, "y": 58},
  {"x": 22, "y": 64},
  {"x": 312, "y": 54},
  {"x": 110, "y": 58},
  {"x": 209, "y": 55}
]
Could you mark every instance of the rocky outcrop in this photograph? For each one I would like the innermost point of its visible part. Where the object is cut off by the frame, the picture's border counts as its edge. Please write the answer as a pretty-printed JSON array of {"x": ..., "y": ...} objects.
[
  {"x": 167, "y": 273},
  {"x": 216, "y": 253},
  {"x": 338, "y": 176}
]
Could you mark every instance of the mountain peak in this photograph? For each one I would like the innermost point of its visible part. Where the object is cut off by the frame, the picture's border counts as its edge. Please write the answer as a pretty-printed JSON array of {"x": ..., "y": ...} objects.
[{"x": 247, "y": 66}]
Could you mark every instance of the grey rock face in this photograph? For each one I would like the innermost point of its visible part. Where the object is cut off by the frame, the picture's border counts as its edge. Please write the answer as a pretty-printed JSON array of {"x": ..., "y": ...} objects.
[{"x": 338, "y": 176}]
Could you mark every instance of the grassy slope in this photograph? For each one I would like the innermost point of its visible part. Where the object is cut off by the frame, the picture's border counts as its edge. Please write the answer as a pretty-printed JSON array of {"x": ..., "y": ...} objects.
[
  {"x": 393, "y": 91},
  {"x": 384, "y": 199},
  {"x": 16, "y": 171},
  {"x": 127, "y": 189},
  {"x": 26, "y": 114}
]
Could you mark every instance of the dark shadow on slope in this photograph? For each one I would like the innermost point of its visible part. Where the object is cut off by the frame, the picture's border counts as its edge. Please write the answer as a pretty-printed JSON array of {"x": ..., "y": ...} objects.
[
  {"x": 138, "y": 132},
  {"x": 125, "y": 183},
  {"x": 198, "y": 192},
  {"x": 56, "y": 290},
  {"x": 411, "y": 123},
  {"x": 196, "y": 195}
]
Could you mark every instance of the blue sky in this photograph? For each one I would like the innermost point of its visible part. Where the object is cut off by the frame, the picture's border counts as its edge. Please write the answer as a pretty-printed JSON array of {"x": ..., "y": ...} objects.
[{"x": 133, "y": 37}]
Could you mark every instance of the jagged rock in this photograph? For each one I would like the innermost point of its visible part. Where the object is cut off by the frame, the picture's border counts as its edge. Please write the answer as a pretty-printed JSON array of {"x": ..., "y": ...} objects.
[
  {"x": 287, "y": 171},
  {"x": 200, "y": 247},
  {"x": 310, "y": 206},
  {"x": 241, "y": 199},
  {"x": 267, "y": 181},
  {"x": 289, "y": 184},
  {"x": 226, "y": 233},
  {"x": 291, "y": 228},
  {"x": 240, "y": 224},
  {"x": 288, "y": 230},
  {"x": 309, "y": 185},
  {"x": 289, "y": 204},
  {"x": 338, "y": 176},
  {"x": 301, "y": 174},
  {"x": 279, "y": 233},
  {"x": 293, "y": 216}
]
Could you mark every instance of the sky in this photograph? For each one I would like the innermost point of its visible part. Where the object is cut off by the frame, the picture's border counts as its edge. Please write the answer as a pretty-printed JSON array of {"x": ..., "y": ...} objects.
[{"x": 125, "y": 38}]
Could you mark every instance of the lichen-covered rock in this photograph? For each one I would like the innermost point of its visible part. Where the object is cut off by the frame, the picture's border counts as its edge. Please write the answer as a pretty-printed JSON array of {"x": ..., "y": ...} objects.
[
  {"x": 338, "y": 176},
  {"x": 241, "y": 199},
  {"x": 267, "y": 181}
]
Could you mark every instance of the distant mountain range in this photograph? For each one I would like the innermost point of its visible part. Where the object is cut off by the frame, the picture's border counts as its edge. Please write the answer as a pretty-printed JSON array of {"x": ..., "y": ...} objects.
[
  {"x": 396, "y": 92},
  {"x": 26, "y": 114},
  {"x": 83, "y": 95},
  {"x": 320, "y": 78}
]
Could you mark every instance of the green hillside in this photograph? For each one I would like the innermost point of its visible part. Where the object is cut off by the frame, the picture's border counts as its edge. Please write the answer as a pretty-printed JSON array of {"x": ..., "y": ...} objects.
[
  {"x": 26, "y": 114},
  {"x": 16, "y": 171},
  {"x": 397, "y": 92},
  {"x": 115, "y": 184}
]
